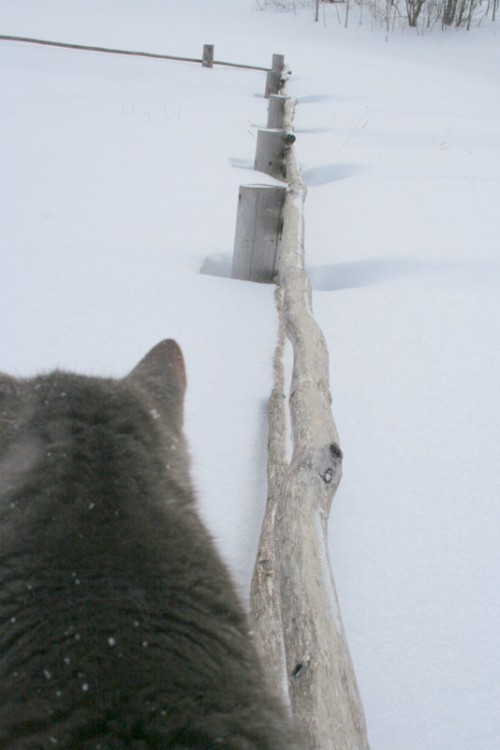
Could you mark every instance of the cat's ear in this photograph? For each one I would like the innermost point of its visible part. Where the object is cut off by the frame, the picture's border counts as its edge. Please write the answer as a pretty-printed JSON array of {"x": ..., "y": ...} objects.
[{"x": 161, "y": 376}]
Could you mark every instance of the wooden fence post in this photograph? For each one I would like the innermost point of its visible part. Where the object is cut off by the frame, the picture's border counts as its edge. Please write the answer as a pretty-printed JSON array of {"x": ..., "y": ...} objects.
[
  {"x": 258, "y": 226},
  {"x": 272, "y": 146},
  {"x": 273, "y": 80},
  {"x": 276, "y": 110},
  {"x": 277, "y": 63},
  {"x": 208, "y": 56},
  {"x": 272, "y": 83}
]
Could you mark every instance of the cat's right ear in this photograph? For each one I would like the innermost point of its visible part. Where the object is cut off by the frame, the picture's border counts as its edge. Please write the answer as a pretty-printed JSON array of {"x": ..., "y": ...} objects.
[
  {"x": 161, "y": 374},
  {"x": 165, "y": 362}
]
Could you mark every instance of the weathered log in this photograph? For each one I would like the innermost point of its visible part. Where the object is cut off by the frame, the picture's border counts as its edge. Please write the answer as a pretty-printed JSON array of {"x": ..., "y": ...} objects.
[
  {"x": 264, "y": 592},
  {"x": 293, "y": 557}
]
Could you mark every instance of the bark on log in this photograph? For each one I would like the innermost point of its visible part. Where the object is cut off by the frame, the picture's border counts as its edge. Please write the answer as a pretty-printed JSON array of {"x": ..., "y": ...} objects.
[
  {"x": 293, "y": 596},
  {"x": 264, "y": 591}
]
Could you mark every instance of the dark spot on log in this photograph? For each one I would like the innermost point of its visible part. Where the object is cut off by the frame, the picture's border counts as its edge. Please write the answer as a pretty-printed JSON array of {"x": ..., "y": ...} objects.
[
  {"x": 267, "y": 565},
  {"x": 328, "y": 476},
  {"x": 335, "y": 451},
  {"x": 298, "y": 669}
]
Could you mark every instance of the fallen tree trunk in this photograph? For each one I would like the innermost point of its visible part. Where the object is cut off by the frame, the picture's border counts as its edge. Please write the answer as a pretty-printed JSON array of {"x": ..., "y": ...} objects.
[{"x": 293, "y": 597}]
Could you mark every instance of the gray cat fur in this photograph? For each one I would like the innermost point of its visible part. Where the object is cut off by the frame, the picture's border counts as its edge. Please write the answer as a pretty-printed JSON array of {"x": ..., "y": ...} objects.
[{"x": 119, "y": 624}]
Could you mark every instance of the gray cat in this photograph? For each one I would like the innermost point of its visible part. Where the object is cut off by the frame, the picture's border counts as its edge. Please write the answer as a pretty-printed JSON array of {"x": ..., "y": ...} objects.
[{"x": 119, "y": 624}]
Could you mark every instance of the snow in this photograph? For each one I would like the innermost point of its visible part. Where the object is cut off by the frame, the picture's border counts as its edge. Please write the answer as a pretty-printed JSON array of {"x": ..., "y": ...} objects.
[{"x": 119, "y": 184}]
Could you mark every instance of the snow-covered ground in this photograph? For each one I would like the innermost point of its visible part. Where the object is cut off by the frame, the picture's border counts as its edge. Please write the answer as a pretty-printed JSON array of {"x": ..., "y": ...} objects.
[{"x": 118, "y": 185}]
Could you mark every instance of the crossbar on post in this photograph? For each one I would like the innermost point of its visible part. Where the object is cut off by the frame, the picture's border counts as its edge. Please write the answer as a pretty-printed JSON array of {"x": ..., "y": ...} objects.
[{"x": 130, "y": 53}]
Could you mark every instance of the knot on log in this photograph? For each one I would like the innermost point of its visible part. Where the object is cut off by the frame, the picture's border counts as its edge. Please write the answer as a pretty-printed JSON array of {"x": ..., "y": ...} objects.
[
  {"x": 331, "y": 459},
  {"x": 335, "y": 451},
  {"x": 328, "y": 476},
  {"x": 266, "y": 565},
  {"x": 300, "y": 668}
]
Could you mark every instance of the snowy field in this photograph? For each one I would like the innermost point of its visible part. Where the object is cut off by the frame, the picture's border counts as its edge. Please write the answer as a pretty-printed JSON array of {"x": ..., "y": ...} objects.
[{"x": 118, "y": 185}]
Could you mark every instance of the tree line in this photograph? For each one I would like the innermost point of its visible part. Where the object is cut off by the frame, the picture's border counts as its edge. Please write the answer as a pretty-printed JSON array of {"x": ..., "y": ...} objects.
[
  {"x": 430, "y": 13},
  {"x": 421, "y": 14}
]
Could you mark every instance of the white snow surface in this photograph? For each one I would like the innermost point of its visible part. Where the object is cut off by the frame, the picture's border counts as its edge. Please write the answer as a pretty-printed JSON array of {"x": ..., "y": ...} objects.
[{"x": 118, "y": 185}]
